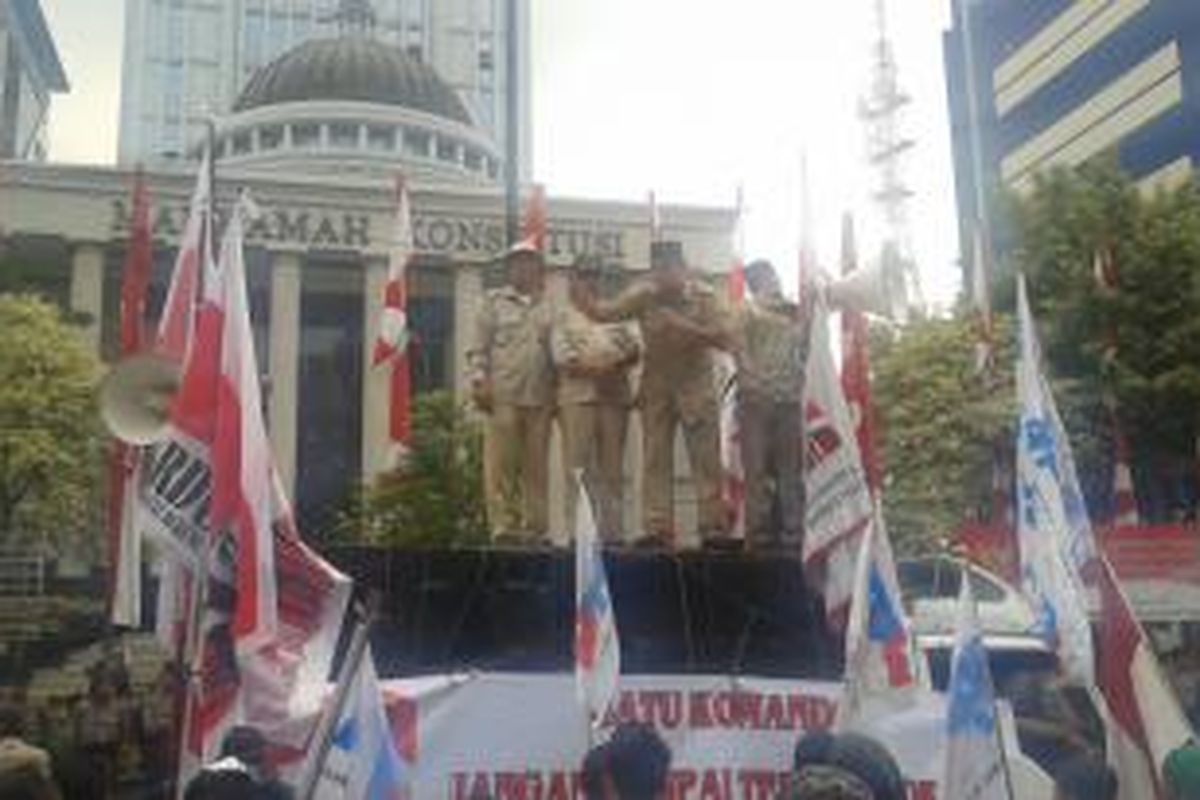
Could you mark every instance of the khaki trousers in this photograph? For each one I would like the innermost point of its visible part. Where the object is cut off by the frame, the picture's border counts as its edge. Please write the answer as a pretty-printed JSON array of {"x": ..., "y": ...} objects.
[
  {"x": 770, "y": 435},
  {"x": 593, "y": 438},
  {"x": 664, "y": 410},
  {"x": 516, "y": 473}
]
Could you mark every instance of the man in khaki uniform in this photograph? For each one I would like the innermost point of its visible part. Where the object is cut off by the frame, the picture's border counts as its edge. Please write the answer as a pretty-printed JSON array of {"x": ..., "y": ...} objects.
[
  {"x": 681, "y": 322},
  {"x": 512, "y": 382},
  {"x": 771, "y": 336},
  {"x": 593, "y": 362}
]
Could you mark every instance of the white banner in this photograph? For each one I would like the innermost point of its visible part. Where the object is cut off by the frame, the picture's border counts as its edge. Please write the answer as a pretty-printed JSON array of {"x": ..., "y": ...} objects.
[{"x": 508, "y": 736}]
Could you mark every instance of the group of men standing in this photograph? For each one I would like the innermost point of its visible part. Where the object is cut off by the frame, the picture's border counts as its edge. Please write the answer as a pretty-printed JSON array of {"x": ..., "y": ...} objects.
[{"x": 532, "y": 360}]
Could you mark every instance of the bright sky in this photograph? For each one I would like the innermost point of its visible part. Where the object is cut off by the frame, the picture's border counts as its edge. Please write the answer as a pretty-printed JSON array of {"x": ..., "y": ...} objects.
[{"x": 688, "y": 97}]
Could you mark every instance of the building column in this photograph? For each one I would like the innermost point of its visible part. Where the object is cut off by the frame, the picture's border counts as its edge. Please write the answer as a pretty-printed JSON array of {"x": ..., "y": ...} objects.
[
  {"x": 285, "y": 364},
  {"x": 468, "y": 299},
  {"x": 87, "y": 290},
  {"x": 375, "y": 444}
]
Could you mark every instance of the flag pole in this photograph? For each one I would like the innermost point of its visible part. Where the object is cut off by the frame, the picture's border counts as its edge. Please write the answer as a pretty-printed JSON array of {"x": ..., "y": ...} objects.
[
  {"x": 327, "y": 723},
  {"x": 198, "y": 594}
]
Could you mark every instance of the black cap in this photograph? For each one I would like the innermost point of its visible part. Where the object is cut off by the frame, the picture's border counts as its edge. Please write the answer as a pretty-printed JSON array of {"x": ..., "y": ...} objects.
[{"x": 666, "y": 254}]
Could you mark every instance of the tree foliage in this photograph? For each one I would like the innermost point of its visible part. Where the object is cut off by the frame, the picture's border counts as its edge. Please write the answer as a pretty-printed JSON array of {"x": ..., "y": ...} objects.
[
  {"x": 437, "y": 498},
  {"x": 51, "y": 441},
  {"x": 938, "y": 423},
  {"x": 1139, "y": 345}
]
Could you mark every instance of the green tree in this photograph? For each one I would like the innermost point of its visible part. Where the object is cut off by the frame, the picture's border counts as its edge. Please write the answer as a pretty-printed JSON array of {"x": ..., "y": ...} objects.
[
  {"x": 51, "y": 441},
  {"x": 437, "y": 498},
  {"x": 1139, "y": 345},
  {"x": 938, "y": 422}
]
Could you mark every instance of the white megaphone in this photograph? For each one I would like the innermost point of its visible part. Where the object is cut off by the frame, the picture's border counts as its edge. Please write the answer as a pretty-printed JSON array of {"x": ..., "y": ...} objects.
[
  {"x": 135, "y": 396},
  {"x": 878, "y": 289}
]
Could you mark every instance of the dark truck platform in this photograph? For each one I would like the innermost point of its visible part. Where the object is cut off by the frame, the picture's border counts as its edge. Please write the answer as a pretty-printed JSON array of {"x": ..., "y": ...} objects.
[{"x": 502, "y": 609}]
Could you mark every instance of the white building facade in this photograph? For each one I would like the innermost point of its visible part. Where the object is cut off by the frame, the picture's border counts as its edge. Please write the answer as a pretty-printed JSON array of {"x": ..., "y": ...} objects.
[
  {"x": 30, "y": 72},
  {"x": 187, "y": 60}
]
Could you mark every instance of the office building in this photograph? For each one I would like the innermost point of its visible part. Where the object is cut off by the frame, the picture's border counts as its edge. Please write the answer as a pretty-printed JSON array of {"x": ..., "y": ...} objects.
[
  {"x": 30, "y": 72},
  {"x": 187, "y": 60},
  {"x": 1059, "y": 82}
]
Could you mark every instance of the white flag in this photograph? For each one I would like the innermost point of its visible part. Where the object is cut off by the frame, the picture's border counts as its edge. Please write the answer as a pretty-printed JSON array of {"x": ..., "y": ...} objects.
[
  {"x": 597, "y": 649},
  {"x": 976, "y": 768},
  {"x": 838, "y": 507},
  {"x": 883, "y": 668},
  {"x": 1053, "y": 530},
  {"x": 363, "y": 762}
]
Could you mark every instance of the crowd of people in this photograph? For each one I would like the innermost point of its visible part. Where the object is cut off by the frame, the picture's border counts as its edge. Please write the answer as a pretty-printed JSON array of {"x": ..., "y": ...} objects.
[
  {"x": 534, "y": 360},
  {"x": 95, "y": 742}
]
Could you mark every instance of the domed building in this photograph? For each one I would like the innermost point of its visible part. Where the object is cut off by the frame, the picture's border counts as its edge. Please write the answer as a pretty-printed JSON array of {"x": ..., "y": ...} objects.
[
  {"x": 352, "y": 104},
  {"x": 317, "y": 137}
]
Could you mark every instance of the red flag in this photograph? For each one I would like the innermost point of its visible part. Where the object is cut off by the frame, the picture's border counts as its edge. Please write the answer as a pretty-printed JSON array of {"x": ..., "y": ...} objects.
[
  {"x": 856, "y": 379},
  {"x": 135, "y": 275},
  {"x": 1144, "y": 721},
  {"x": 392, "y": 342},
  {"x": 533, "y": 223},
  {"x": 124, "y": 591}
]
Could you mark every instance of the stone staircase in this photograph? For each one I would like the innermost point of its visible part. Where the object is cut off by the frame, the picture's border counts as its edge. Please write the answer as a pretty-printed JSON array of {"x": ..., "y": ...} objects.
[{"x": 144, "y": 658}]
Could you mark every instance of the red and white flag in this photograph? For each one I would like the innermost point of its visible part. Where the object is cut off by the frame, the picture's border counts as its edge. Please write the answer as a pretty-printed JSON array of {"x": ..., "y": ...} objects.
[
  {"x": 1143, "y": 720},
  {"x": 241, "y": 452},
  {"x": 391, "y": 346},
  {"x": 838, "y": 506},
  {"x": 156, "y": 510},
  {"x": 125, "y": 542},
  {"x": 856, "y": 372},
  {"x": 272, "y": 607}
]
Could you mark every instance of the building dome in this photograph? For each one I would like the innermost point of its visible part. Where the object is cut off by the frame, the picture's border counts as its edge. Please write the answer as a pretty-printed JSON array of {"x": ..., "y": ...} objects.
[{"x": 353, "y": 68}]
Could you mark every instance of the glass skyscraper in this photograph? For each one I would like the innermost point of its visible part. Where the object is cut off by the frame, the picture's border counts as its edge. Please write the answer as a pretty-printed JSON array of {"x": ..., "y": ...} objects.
[{"x": 185, "y": 60}]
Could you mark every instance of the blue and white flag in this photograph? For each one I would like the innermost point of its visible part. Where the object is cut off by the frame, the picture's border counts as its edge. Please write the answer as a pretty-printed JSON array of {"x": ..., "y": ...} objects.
[
  {"x": 363, "y": 762},
  {"x": 883, "y": 667},
  {"x": 1053, "y": 530},
  {"x": 597, "y": 649},
  {"x": 975, "y": 764}
]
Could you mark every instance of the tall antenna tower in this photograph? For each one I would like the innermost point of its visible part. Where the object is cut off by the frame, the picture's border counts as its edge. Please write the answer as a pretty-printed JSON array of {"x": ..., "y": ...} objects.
[{"x": 880, "y": 110}]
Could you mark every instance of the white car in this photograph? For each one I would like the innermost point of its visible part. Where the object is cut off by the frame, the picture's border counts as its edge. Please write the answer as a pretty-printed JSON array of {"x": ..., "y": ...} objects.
[{"x": 930, "y": 588}]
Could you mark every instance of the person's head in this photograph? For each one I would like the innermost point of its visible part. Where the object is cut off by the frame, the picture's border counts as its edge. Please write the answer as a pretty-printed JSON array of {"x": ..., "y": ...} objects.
[
  {"x": 524, "y": 268},
  {"x": 597, "y": 785},
  {"x": 668, "y": 266},
  {"x": 762, "y": 280},
  {"x": 585, "y": 280},
  {"x": 1084, "y": 777},
  {"x": 848, "y": 766},
  {"x": 1181, "y": 773},
  {"x": 25, "y": 772},
  {"x": 247, "y": 744},
  {"x": 638, "y": 762},
  {"x": 227, "y": 779}
]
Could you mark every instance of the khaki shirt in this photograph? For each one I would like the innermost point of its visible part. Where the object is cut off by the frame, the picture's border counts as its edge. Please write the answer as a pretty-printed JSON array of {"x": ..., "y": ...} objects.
[
  {"x": 771, "y": 349},
  {"x": 675, "y": 361},
  {"x": 577, "y": 341},
  {"x": 510, "y": 346}
]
